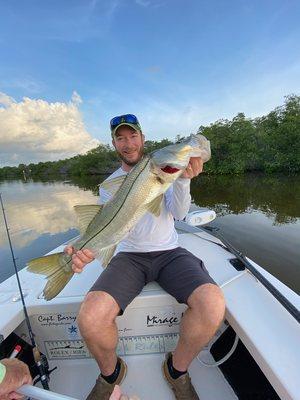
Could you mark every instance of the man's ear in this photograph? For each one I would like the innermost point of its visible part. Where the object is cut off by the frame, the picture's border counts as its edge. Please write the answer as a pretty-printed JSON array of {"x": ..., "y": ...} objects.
[
  {"x": 113, "y": 143},
  {"x": 143, "y": 138}
]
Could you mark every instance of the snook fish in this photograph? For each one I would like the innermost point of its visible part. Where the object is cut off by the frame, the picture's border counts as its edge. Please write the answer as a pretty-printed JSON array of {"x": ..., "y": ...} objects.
[{"x": 102, "y": 227}]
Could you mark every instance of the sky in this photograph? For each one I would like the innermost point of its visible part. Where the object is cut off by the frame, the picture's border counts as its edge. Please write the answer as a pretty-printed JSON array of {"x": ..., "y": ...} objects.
[{"x": 68, "y": 67}]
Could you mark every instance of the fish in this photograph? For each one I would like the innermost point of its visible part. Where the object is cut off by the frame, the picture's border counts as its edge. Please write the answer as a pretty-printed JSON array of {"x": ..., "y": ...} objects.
[{"x": 102, "y": 227}]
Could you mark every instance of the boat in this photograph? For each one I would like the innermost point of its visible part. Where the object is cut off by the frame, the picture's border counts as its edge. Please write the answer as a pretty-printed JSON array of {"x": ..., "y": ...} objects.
[{"x": 255, "y": 354}]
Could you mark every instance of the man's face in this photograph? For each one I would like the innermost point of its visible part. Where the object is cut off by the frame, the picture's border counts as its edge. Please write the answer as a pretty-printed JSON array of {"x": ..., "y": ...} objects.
[{"x": 129, "y": 144}]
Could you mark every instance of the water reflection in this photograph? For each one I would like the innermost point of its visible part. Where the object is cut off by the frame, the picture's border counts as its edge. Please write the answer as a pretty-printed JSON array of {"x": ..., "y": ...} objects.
[
  {"x": 40, "y": 217},
  {"x": 278, "y": 197},
  {"x": 259, "y": 214},
  {"x": 35, "y": 208}
]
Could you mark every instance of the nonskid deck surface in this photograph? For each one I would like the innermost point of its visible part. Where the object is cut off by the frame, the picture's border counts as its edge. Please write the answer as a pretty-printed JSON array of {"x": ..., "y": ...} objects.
[{"x": 144, "y": 378}]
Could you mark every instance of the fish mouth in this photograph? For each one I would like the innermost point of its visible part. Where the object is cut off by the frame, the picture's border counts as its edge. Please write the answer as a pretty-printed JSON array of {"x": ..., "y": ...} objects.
[{"x": 170, "y": 170}]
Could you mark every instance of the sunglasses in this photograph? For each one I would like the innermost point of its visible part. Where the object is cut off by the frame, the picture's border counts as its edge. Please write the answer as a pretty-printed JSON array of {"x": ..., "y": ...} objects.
[{"x": 124, "y": 119}]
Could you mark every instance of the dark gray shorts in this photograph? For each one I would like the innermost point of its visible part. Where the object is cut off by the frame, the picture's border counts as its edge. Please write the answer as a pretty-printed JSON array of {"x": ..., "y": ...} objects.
[{"x": 177, "y": 271}]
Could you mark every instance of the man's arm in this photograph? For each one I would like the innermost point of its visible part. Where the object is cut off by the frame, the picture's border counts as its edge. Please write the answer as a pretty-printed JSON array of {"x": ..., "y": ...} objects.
[{"x": 178, "y": 198}]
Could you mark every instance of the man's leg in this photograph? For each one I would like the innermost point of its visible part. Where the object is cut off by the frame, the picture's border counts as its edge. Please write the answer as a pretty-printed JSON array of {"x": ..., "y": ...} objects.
[
  {"x": 98, "y": 328},
  {"x": 119, "y": 283},
  {"x": 206, "y": 310},
  {"x": 185, "y": 277}
]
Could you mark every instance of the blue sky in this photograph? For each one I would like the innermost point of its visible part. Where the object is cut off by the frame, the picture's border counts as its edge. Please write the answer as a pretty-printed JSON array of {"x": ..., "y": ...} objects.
[{"x": 175, "y": 64}]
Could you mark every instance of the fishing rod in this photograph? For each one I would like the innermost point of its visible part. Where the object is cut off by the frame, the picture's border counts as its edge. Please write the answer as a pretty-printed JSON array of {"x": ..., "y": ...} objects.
[
  {"x": 272, "y": 289},
  {"x": 40, "y": 361}
]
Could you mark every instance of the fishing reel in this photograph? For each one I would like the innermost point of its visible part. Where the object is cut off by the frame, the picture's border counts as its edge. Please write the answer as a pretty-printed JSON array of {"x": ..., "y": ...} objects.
[{"x": 43, "y": 371}]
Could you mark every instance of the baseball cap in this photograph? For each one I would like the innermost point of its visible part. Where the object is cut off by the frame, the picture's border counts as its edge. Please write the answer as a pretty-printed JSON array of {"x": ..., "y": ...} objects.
[{"x": 126, "y": 119}]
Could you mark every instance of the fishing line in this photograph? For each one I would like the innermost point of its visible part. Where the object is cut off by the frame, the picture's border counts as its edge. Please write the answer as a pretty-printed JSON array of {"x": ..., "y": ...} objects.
[{"x": 39, "y": 361}]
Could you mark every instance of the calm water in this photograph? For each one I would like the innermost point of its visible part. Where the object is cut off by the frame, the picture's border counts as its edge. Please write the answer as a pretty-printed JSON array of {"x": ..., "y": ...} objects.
[{"x": 259, "y": 215}]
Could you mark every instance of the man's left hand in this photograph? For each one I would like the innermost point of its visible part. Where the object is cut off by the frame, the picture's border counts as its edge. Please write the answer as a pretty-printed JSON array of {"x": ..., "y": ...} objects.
[
  {"x": 17, "y": 374},
  {"x": 194, "y": 168}
]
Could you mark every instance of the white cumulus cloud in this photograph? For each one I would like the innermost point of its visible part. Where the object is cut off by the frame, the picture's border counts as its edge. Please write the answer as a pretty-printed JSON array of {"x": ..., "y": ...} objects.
[{"x": 35, "y": 130}]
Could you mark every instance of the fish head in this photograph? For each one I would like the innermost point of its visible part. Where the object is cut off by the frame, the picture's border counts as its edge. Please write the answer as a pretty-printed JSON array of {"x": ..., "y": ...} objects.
[{"x": 170, "y": 161}]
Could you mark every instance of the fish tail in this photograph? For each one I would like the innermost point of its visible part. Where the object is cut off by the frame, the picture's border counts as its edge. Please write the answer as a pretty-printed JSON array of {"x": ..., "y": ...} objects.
[{"x": 57, "y": 269}]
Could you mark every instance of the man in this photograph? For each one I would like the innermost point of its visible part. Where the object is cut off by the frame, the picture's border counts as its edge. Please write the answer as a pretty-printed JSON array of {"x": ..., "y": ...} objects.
[
  {"x": 150, "y": 252},
  {"x": 13, "y": 374}
]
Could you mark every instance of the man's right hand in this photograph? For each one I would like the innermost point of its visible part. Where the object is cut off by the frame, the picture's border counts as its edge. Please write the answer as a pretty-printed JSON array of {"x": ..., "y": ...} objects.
[{"x": 80, "y": 258}]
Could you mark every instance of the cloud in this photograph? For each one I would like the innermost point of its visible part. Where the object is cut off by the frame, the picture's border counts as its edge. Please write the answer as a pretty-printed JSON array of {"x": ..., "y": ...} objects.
[
  {"x": 154, "y": 69},
  {"x": 165, "y": 120},
  {"x": 81, "y": 22},
  {"x": 27, "y": 84},
  {"x": 149, "y": 3},
  {"x": 35, "y": 130},
  {"x": 6, "y": 100},
  {"x": 144, "y": 3}
]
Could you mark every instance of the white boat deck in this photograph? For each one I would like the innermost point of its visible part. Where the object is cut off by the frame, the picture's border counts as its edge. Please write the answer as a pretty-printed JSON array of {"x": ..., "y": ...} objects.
[
  {"x": 268, "y": 331},
  {"x": 144, "y": 379}
]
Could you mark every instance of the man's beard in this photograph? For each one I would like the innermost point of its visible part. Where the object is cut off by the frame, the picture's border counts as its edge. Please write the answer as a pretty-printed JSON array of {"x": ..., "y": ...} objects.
[{"x": 132, "y": 163}]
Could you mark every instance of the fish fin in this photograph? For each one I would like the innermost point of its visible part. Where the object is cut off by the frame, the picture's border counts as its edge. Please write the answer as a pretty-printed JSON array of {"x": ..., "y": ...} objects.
[
  {"x": 56, "y": 283},
  {"x": 112, "y": 185},
  {"x": 46, "y": 265},
  {"x": 54, "y": 267},
  {"x": 85, "y": 214},
  {"x": 155, "y": 206},
  {"x": 105, "y": 255}
]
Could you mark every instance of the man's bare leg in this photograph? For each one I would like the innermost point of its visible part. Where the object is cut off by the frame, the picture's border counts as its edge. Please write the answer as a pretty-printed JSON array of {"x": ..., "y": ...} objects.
[
  {"x": 199, "y": 323},
  {"x": 96, "y": 321}
]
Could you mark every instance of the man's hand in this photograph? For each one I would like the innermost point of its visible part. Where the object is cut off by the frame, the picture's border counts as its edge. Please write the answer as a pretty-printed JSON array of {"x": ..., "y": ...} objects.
[
  {"x": 17, "y": 374},
  {"x": 117, "y": 395},
  {"x": 79, "y": 258},
  {"x": 194, "y": 168}
]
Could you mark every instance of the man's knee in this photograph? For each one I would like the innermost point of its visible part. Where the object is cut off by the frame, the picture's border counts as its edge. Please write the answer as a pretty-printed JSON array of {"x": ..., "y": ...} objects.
[
  {"x": 208, "y": 301},
  {"x": 99, "y": 309}
]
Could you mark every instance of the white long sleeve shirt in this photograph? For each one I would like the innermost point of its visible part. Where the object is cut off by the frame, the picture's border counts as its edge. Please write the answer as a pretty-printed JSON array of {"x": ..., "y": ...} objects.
[{"x": 153, "y": 233}]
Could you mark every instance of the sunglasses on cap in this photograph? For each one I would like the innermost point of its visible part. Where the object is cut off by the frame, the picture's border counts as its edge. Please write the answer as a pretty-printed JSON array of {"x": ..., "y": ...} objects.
[{"x": 124, "y": 119}]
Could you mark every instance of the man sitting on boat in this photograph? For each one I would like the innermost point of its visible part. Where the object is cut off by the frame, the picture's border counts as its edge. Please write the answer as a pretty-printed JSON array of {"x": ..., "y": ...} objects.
[{"x": 150, "y": 252}]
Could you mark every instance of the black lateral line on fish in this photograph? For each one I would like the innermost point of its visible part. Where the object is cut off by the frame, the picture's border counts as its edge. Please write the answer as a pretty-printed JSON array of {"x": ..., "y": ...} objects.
[{"x": 116, "y": 213}]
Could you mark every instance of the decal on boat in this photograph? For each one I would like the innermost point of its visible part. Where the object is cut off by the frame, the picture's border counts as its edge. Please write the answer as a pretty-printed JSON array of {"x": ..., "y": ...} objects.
[
  {"x": 60, "y": 349},
  {"x": 55, "y": 319},
  {"x": 131, "y": 345},
  {"x": 151, "y": 330},
  {"x": 154, "y": 320},
  {"x": 147, "y": 344},
  {"x": 151, "y": 320}
]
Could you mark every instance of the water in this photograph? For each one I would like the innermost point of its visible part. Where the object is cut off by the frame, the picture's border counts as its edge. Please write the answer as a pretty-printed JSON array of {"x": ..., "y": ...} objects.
[{"x": 259, "y": 215}]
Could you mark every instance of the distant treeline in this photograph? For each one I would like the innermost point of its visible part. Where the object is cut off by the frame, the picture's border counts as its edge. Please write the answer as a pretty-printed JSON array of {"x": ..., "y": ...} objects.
[{"x": 268, "y": 144}]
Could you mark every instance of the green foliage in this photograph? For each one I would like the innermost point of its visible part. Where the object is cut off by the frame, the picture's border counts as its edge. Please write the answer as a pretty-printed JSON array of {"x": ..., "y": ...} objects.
[
  {"x": 100, "y": 160},
  {"x": 270, "y": 143},
  {"x": 280, "y": 135}
]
